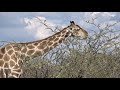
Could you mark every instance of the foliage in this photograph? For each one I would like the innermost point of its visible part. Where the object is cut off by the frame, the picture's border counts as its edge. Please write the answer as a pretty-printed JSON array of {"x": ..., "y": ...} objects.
[{"x": 96, "y": 57}]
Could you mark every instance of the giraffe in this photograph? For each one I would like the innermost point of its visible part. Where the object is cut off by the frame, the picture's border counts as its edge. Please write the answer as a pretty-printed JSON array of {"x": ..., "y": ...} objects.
[{"x": 12, "y": 55}]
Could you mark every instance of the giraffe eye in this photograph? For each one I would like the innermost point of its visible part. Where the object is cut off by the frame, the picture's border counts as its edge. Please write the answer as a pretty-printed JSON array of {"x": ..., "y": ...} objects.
[{"x": 70, "y": 28}]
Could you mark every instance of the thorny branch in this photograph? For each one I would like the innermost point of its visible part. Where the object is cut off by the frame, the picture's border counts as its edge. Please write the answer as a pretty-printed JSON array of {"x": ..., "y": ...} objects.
[
  {"x": 47, "y": 27},
  {"x": 96, "y": 56}
]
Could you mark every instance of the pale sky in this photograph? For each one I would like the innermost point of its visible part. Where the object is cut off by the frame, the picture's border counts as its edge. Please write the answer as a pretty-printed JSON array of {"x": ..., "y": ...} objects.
[{"x": 23, "y": 26}]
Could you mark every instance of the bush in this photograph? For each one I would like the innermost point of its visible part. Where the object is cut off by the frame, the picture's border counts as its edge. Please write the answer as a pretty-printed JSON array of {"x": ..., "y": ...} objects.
[{"x": 96, "y": 57}]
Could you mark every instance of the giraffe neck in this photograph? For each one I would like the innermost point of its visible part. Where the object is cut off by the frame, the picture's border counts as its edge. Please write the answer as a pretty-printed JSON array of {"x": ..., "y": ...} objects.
[
  {"x": 38, "y": 48},
  {"x": 10, "y": 55}
]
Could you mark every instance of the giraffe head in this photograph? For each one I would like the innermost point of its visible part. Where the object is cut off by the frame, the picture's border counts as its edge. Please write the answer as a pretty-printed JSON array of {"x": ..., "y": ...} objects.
[{"x": 76, "y": 30}]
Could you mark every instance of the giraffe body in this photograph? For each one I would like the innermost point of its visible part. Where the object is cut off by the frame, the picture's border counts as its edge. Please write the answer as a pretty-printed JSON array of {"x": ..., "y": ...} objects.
[{"x": 12, "y": 55}]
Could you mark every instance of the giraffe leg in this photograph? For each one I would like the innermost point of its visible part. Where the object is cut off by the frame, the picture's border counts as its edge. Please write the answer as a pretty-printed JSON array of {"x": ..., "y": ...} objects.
[
  {"x": 15, "y": 73},
  {"x": 16, "y": 68},
  {"x": 4, "y": 72},
  {"x": 2, "y": 75}
]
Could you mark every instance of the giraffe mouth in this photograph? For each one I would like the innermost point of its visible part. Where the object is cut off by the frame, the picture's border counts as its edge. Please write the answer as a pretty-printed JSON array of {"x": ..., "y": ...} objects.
[
  {"x": 78, "y": 37},
  {"x": 73, "y": 35}
]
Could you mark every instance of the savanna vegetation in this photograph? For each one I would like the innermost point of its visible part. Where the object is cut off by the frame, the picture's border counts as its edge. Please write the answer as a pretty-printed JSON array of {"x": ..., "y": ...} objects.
[{"x": 96, "y": 57}]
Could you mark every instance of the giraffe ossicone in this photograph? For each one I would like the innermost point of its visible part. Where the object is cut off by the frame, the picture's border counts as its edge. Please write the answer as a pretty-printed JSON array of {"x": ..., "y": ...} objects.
[{"x": 12, "y": 55}]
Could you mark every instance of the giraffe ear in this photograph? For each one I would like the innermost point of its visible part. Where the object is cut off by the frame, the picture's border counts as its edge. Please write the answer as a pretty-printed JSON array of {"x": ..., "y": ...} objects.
[{"x": 72, "y": 22}]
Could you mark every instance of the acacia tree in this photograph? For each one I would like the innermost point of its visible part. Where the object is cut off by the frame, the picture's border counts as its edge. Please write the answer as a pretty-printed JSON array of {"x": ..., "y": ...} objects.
[{"x": 98, "y": 56}]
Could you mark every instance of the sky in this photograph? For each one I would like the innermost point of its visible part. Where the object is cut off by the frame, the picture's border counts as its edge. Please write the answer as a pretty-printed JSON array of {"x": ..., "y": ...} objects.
[{"x": 25, "y": 27}]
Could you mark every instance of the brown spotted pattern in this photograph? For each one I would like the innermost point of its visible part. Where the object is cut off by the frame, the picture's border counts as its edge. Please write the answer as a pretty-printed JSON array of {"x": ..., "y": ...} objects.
[{"x": 12, "y": 55}]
